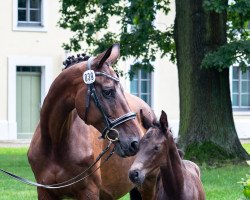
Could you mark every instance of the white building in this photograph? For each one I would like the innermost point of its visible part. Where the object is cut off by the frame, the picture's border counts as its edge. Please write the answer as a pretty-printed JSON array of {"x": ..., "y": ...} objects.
[{"x": 31, "y": 57}]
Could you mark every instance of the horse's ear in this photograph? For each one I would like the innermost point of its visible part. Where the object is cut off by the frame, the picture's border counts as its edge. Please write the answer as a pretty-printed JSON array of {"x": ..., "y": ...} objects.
[
  {"x": 110, "y": 56},
  {"x": 164, "y": 120},
  {"x": 146, "y": 122},
  {"x": 181, "y": 153}
]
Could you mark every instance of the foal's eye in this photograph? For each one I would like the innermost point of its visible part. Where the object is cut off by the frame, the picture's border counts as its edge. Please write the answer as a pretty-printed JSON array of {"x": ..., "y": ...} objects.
[
  {"x": 108, "y": 93},
  {"x": 156, "y": 148}
]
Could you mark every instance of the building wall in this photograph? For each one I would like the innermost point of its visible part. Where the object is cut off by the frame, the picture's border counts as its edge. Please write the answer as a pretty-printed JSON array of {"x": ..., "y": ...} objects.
[
  {"x": 44, "y": 47},
  {"x": 26, "y": 47}
]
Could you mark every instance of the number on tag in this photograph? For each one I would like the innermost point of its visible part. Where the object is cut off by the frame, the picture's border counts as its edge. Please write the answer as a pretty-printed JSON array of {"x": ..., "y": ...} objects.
[{"x": 89, "y": 76}]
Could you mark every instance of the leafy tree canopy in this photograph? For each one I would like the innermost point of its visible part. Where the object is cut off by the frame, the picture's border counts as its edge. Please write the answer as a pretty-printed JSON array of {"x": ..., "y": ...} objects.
[
  {"x": 140, "y": 38},
  {"x": 138, "y": 35},
  {"x": 237, "y": 49}
]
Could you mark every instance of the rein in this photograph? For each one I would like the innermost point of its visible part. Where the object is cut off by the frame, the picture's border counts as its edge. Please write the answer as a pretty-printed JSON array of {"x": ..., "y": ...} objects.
[{"x": 68, "y": 182}]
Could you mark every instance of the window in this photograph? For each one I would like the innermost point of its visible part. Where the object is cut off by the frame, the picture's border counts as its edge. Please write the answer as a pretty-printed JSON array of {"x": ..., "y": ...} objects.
[
  {"x": 28, "y": 69},
  {"x": 29, "y": 13},
  {"x": 141, "y": 86},
  {"x": 240, "y": 89}
]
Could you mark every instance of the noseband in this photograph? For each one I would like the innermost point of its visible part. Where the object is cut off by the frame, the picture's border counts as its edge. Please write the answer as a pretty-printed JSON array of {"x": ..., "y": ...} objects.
[{"x": 109, "y": 132}]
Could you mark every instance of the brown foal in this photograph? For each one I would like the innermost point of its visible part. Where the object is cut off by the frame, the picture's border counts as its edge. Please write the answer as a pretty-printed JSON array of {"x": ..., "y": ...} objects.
[{"x": 177, "y": 179}]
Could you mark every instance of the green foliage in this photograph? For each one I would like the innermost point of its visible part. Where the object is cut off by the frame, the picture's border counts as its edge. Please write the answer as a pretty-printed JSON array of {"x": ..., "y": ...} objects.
[
  {"x": 245, "y": 182},
  {"x": 137, "y": 34},
  {"x": 238, "y": 48},
  {"x": 228, "y": 54}
]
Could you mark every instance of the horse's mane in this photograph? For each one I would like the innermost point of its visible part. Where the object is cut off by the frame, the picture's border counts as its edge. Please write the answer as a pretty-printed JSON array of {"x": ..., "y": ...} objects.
[{"x": 71, "y": 60}]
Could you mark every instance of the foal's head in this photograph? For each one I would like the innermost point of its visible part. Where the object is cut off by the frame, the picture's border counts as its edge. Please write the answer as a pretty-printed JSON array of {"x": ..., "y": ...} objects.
[
  {"x": 153, "y": 149},
  {"x": 112, "y": 100}
]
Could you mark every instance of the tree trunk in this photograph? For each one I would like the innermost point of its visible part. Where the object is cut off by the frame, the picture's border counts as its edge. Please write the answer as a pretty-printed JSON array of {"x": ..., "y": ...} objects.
[{"x": 207, "y": 131}]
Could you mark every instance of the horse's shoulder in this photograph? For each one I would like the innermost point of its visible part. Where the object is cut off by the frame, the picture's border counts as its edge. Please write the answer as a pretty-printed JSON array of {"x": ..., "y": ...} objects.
[{"x": 34, "y": 149}]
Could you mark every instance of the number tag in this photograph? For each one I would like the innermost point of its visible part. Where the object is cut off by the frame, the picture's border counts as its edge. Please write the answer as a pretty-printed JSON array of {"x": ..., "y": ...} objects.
[{"x": 89, "y": 76}]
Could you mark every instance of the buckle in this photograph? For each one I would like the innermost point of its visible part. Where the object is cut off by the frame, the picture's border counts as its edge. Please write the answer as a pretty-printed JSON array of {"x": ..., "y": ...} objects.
[{"x": 112, "y": 135}]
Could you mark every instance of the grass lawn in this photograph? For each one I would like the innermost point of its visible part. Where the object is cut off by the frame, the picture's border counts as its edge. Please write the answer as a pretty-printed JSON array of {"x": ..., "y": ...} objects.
[
  {"x": 219, "y": 183},
  {"x": 15, "y": 160}
]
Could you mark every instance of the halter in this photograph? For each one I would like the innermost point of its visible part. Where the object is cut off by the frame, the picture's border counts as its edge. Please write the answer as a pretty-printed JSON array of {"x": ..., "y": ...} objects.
[{"x": 109, "y": 132}]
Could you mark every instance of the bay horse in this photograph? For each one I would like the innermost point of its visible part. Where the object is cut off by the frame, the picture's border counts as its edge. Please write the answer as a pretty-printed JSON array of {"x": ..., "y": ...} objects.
[
  {"x": 67, "y": 103},
  {"x": 81, "y": 147},
  {"x": 177, "y": 179}
]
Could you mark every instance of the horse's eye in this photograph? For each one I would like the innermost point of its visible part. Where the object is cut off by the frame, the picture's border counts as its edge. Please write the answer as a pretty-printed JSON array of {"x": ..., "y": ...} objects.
[{"x": 108, "y": 93}]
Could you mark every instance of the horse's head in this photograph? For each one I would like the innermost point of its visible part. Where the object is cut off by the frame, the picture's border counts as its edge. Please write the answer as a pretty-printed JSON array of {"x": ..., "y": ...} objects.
[
  {"x": 107, "y": 103},
  {"x": 152, "y": 149}
]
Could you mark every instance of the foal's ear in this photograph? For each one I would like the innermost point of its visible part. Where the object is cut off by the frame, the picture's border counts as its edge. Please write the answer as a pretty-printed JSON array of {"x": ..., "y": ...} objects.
[
  {"x": 146, "y": 122},
  {"x": 110, "y": 56},
  {"x": 164, "y": 120}
]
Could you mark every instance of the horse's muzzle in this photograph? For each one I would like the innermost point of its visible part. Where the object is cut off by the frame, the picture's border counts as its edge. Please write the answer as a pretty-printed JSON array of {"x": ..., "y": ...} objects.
[{"x": 127, "y": 149}]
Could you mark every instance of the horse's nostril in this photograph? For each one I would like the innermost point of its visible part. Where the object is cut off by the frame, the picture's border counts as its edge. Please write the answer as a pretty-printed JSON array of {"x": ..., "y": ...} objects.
[
  {"x": 135, "y": 146},
  {"x": 133, "y": 176}
]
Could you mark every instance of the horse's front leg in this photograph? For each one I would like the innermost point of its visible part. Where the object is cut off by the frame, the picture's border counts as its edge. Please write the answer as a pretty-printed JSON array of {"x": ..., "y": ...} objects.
[
  {"x": 44, "y": 194},
  {"x": 88, "y": 194},
  {"x": 147, "y": 190}
]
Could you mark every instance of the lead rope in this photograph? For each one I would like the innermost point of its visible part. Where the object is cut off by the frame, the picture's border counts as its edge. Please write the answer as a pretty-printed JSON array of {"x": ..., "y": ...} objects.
[{"x": 64, "y": 184}]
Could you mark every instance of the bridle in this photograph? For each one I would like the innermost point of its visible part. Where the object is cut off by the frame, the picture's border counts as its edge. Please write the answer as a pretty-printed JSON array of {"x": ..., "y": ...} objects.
[{"x": 109, "y": 131}]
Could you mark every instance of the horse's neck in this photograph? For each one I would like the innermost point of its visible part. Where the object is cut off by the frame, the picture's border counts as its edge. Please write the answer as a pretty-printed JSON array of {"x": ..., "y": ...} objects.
[
  {"x": 171, "y": 172},
  {"x": 58, "y": 104}
]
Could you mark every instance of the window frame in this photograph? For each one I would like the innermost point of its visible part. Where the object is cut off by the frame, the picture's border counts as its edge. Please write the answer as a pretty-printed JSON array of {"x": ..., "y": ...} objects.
[
  {"x": 149, "y": 80},
  {"x": 29, "y": 25},
  {"x": 28, "y": 10},
  {"x": 46, "y": 64},
  {"x": 238, "y": 110}
]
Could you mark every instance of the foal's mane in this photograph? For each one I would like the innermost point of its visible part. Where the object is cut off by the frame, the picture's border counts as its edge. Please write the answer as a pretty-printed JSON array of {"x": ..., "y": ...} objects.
[{"x": 71, "y": 60}]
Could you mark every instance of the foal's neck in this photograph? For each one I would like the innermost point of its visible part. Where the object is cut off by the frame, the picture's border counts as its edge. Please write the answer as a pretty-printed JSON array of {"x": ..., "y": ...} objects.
[
  {"x": 60, "y": 101},
  {"x": 171, "y": 172}
]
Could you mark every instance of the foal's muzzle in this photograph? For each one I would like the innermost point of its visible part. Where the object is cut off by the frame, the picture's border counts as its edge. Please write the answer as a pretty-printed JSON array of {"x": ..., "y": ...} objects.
[{"x": 136, "y": 177}]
